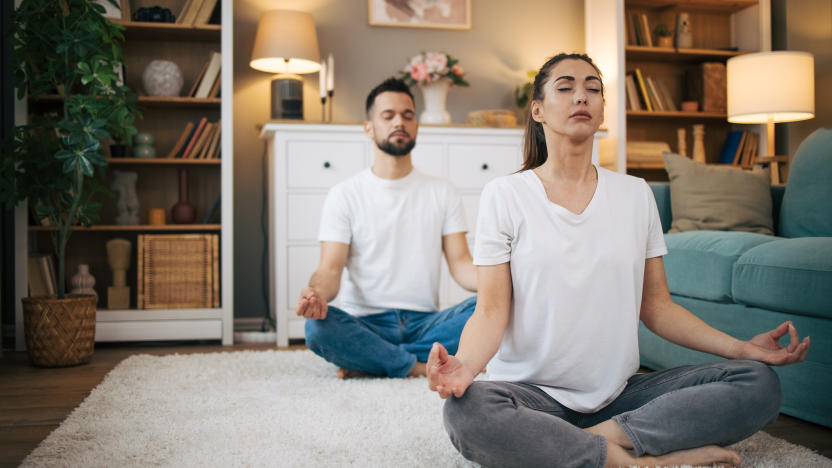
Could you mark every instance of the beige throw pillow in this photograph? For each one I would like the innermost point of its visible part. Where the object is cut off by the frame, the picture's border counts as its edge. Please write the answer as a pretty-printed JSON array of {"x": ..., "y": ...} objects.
[{"x": 717, "y": 198}]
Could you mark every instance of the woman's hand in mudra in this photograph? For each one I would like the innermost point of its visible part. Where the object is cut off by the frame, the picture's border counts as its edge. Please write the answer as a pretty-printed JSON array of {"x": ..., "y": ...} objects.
[
  {"x": 766, "y": 348},
  {"x": 446, "y": 374}
]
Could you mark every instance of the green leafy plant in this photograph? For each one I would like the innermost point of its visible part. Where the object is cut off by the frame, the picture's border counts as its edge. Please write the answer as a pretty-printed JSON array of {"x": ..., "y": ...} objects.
[
  {"x": 523, "y": 93},
  {"x": 662, "y": 30},
  {"x": 65, "y": 47}
]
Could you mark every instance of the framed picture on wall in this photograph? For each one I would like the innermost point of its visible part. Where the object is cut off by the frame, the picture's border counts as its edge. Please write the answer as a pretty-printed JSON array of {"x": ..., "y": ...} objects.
[{"x": 438, "y": 14}]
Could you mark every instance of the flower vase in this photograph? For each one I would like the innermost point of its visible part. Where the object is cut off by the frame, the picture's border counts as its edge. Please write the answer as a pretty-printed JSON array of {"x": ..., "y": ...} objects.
[
  {"x": 82, "y": 282},
  {"x": 435, "y": 94},
  {"x": 183, "y": 212}
]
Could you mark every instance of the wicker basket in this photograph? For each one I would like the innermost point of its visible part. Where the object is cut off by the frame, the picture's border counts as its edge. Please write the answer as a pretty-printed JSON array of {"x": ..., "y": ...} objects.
[
  {"x": 59, "y": 332},
  {"x": 178, "y": 271}
]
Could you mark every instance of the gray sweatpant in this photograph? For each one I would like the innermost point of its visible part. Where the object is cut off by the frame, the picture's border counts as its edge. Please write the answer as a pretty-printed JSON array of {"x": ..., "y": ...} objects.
[{"x": 504, "y": 424}]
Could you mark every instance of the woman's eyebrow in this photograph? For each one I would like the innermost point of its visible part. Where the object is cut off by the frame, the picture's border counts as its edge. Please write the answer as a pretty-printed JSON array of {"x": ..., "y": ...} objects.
[
  {"x": 593, "y": 77},
  {"x": 565, "y": 77}
]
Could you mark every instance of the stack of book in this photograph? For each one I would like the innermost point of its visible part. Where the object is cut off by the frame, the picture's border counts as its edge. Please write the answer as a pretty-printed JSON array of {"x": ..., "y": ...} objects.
[
  {"x": 740, "y": 149},
  {"x": 638, "y": 30},
  {"x": 199, "y": 140},
  {"x": 648, "y": 93},
  {"x": 207, "y": 83},
  {"x": 199, "y": 12}
]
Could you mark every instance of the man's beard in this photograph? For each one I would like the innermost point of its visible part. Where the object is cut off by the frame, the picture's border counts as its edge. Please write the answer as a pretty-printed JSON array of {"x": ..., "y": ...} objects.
[{"x": 396, "y": 149}]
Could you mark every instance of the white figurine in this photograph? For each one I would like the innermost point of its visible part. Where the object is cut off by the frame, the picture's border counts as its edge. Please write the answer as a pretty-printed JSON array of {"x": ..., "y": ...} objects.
[{"x": 127, "y": 206}]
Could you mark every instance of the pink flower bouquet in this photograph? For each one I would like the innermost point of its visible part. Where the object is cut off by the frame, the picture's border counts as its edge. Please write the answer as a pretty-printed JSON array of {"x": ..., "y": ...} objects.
[{"x": 428, "y": 67}]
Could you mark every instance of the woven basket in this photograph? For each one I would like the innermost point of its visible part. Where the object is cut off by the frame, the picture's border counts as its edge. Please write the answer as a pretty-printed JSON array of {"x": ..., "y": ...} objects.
[
  {"x": 178, "y": 271},
  {"x": 59, "y": 332}
]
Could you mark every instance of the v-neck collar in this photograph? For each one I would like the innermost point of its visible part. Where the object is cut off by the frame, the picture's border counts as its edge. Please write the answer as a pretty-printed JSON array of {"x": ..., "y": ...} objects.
[{"x": 583, "y": 214}]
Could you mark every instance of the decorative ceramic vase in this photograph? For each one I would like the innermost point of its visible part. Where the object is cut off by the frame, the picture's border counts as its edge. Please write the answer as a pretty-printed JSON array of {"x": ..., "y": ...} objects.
[
  {"x": 183, "y": 212},
  {"x": 144, "y": 145},
  {"x": 435, "y": 95},
  {"x": 83, "y": 281},
  {"x": 684, "y": 33},
  {"x": 162, "y": 78},
  {"x": 699, "y": 143}
]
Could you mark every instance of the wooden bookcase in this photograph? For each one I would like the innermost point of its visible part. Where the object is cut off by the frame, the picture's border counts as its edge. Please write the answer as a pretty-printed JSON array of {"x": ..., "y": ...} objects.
[
  {"x": 721, "y": 30},
  {"x": 158, "y": 183}
]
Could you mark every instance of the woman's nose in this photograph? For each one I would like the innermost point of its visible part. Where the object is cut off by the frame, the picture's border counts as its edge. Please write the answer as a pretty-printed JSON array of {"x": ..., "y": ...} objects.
[{"x": 580, "y": 96}]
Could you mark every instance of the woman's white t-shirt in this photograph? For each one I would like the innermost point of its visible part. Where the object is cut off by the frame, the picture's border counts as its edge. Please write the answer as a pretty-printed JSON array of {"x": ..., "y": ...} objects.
[{"x": 577, "y": 283}]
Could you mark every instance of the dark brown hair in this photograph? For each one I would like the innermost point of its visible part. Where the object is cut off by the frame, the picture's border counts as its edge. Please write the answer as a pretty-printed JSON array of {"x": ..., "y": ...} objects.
[{"x": 534, "y": 142}]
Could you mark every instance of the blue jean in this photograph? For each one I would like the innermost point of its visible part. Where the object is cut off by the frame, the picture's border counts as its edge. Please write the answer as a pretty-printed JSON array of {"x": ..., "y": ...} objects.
[
  {"x": 515, "y": 424},
  {"x": 387, "y": 343}
]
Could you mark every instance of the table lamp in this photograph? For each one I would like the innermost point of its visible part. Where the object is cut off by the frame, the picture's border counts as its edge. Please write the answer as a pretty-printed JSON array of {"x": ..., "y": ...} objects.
[
  {"x": 769, "y": 87},
  {"x": 286, "y": 44}
]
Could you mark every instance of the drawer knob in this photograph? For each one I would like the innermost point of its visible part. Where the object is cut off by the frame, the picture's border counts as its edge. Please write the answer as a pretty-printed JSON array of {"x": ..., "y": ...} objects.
[
  {"x": 327, "y": 164},
  {"x": 484, "y": 166}
]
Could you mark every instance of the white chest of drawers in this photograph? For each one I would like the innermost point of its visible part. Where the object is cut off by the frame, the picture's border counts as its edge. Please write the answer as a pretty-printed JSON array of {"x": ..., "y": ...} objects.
[{"x": 305, "y": 160}]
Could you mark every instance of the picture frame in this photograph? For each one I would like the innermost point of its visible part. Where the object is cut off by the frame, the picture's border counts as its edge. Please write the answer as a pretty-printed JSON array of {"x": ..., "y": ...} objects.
[{"x": 433, "y": 14}]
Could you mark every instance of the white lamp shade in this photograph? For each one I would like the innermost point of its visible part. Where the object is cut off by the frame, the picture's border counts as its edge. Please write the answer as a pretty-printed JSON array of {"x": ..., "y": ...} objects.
[
  {"x": 286, "y": 42},
  {"x": 771, "y": 85}
]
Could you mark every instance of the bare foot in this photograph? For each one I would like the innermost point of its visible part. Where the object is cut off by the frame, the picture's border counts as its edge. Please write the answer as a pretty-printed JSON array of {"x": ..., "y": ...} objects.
[
  {"x": 419, "y": 370},
  {"x": 700, "y": 456},
  {"x": 344, "y": 374}
]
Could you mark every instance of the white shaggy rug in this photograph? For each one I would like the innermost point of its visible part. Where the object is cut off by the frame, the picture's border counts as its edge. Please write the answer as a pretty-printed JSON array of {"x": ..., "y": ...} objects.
[{"x": 276, "y": 408}]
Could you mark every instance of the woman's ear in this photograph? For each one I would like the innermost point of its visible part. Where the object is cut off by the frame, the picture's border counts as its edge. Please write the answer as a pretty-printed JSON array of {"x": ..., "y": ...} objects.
[{"x": 536, "y": 108}]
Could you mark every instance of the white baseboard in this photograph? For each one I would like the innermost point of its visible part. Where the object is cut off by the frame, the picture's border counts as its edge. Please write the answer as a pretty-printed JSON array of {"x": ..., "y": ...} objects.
[{"x": 255, "y": 337}]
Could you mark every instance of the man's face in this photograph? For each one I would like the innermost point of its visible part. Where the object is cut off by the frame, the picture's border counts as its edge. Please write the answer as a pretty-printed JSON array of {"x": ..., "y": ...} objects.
[{"x": 392, "y": 125}]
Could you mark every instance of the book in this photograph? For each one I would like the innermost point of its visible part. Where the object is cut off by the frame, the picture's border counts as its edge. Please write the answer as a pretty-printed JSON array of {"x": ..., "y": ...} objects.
[
  {"x": 205, "y": 12},
  {"x": 632, "y": 39},
  {"x": 194, "y": 137},
  {"x": 212, "y": 147},
  {"x": 214, "y": 208},
  {"x": 632, "y": 92},
  {"x": 190, "y": 15},
  {"x": 183, "y": 138},
  {"x": 215, "y": 90},
  {"x": 666, "y": 96},
  {"x": 199, "y": 76},
  {"x": 654, "y": 94},
  {"x": 643, "y": 88},
  {"x": 750, "y": 157},
  {"x": 211, "y": 74},
  {"x": 645, "y": 31},
  {"x": 730, "y": 147},
  {"x": 201, "y": 142},
  {"x": 180, "y": 18},
  {"x": 634, "y": 19},
  {"x": 36, "y": 280}
]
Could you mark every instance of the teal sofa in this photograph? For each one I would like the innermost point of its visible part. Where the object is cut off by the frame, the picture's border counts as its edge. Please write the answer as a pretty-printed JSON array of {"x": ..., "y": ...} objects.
[{"x": 745, "y": 284}]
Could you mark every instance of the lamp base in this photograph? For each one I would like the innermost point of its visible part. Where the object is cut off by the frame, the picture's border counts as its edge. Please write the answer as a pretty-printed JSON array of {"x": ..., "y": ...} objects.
[{"x": 287, "y": 97}]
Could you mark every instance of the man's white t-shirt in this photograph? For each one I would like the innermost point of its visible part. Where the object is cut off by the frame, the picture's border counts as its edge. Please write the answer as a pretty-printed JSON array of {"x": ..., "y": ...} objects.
[
  {"x": 577, "y": 283},
  {"x": 394, "y": 229}
]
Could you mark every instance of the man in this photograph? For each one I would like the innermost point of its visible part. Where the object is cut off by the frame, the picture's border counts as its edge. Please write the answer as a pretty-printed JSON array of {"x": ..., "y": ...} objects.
[{"x": 389, "y": 226}]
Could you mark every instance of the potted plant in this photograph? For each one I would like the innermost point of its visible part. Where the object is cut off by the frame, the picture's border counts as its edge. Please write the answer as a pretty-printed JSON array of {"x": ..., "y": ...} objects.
[
  {"x": 64, "y": 47},
  {"x": 664, "y": 37}
]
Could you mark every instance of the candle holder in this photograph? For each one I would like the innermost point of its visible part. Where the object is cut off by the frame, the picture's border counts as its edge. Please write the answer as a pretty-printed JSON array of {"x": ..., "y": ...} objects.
[
  {"x": 331, "y": 93},
  {"x": 323, "y": 108}
]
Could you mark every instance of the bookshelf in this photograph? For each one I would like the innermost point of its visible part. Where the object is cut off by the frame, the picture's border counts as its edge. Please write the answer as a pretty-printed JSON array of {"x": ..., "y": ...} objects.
[
  {"x": 720, "y": 30},
  {"x": 209, "y": 180}
]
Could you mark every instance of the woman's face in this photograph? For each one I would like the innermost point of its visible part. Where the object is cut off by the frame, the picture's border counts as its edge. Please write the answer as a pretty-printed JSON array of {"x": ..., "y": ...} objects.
[{"x": 572, "y": 104}]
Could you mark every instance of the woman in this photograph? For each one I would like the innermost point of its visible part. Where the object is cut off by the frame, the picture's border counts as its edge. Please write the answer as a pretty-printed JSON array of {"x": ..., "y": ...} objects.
[{"x": 569, "y": 260}]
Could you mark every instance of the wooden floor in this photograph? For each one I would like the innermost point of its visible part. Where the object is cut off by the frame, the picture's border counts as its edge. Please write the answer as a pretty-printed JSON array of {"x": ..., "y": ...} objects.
[{"x": 33, "y": 401}]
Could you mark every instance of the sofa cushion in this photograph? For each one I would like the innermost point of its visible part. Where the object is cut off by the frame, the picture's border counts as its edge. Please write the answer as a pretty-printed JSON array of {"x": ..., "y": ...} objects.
[
  {"x": 807, "y": 203},
  {"x": 700, "y": 263},
  {"x": 717, "y": 198},
  {"x": 788, "y": 275}
]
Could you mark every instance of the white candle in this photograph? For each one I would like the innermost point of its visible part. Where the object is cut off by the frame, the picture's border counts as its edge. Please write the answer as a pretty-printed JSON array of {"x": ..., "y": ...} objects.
[
  {"x": 322, "y": 80},
  {"x": 330, "y": 73}
]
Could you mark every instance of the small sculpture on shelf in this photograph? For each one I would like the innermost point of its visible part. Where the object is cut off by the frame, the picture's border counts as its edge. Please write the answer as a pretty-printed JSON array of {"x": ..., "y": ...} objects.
[
  {"x": 162, "y": 78},
  {"x": 127, "y": 206},
  {"x": 144, "y": 145},
  {"x": 118, "y": 256},
  {"x": 699, "y": 143},
  {"x": 83, "y": 281},
  {"x": 684, "y": 33},
  {"x": 183, "y": 212}
]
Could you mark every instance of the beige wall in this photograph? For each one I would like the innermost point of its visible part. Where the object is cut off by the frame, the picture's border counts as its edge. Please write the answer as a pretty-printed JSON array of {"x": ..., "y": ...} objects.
[
  {"x": 809, "y": 28},
  {"x": 506, "y": 40}
]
